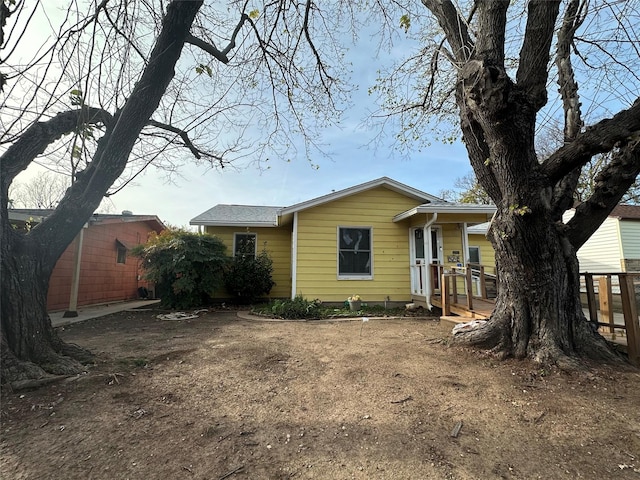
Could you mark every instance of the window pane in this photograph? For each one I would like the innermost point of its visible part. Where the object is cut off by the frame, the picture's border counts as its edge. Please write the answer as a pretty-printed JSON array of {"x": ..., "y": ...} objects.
[
  {"x": 474, "y": 255},
  {"x": 121, "y": 256},
  {"x": 354, "y": 251}
]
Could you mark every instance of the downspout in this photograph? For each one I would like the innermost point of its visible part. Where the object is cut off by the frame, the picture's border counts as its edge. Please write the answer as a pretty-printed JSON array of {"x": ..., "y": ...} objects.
[
  {"x": 426, "y": 238},
  {"x": 294, "y": 255}
]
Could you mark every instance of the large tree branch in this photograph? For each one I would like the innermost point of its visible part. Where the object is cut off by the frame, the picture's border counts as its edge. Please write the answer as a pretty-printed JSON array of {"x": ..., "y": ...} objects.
[
  {"x": 599, "y": 138},
  {"x": 114, "y": 148},
  {"x": 492, "y": 21},
  {"x": 534, "y": 55},
  {"x": 610, "y": 186},
  {"x": 454, "y": 26},
  {"x": 40, "y": 135},
  {"x": 573, "y": 18}
]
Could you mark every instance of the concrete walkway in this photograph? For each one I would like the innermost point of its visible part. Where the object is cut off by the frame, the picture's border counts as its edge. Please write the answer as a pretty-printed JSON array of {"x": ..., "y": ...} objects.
[{"x": 86, "y": 313}]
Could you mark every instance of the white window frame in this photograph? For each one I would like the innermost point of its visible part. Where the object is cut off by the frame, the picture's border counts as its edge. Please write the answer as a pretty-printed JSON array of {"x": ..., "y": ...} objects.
[
  {"x": 354, "y": 276},
  {"x": 255, "y": 244}
]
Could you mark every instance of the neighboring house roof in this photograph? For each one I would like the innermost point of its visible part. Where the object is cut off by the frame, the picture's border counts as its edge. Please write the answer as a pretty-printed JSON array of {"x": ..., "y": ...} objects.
[
  {"x": 261, "y": 216},
  {"x": 626, "y": 212},
  {"x": 479, "y": 229},
  {"x": 38, "y": 214},
  {"x": 239, "y": 215}
]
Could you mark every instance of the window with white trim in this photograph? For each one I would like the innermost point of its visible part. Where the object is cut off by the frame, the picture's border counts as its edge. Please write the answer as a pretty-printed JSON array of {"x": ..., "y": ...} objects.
[
  {"x": 244, "y": 244},
  {"x": 474, "y": 254},
  {"x": 354, "y": 253}
]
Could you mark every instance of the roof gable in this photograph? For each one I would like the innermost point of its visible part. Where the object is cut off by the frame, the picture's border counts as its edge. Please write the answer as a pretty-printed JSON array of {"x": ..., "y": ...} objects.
[{"x": 386, "y": 182}]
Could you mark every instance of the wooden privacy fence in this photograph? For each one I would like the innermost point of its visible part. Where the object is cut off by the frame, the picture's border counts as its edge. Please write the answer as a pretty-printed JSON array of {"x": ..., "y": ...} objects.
[{"x": 609, "y": 307}]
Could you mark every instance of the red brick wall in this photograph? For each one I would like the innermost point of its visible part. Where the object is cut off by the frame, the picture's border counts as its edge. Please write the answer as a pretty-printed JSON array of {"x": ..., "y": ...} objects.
[{"x": 102, "y": 280}]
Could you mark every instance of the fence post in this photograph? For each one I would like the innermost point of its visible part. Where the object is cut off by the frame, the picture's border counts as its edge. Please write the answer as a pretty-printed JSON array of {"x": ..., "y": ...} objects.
[
  {"x": 630, "y": 312},
  {"x": 605, "y": 294},
  {"x": 467, "y": 280},
  {"x": 591, "y": 297},
  {"x": 444, "y": 293}
]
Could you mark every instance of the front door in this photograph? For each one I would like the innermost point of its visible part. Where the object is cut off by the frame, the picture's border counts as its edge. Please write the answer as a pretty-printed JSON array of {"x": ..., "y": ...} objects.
[
  {"x": 418, "y": 262},
  {"x": 422, "y": 251}
]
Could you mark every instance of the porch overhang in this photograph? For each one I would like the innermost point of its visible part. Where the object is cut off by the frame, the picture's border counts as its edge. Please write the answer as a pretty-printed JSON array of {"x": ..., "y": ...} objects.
[{"x": 459, "y": 208}]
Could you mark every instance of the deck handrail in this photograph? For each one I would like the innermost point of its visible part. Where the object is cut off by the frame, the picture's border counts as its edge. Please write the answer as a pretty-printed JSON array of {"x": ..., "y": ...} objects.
[{"x": 449, "y": 290}]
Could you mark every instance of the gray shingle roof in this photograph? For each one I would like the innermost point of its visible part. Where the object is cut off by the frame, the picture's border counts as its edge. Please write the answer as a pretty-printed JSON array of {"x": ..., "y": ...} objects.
[{"x": 239, "y": 215}]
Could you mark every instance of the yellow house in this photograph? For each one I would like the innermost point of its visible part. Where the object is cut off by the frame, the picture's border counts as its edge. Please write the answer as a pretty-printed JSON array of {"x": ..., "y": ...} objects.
[{"x": 382, "y": 240}]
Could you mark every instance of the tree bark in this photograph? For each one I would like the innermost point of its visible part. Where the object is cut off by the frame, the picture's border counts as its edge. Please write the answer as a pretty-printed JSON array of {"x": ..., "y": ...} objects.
[{"x": 30, "y": 346}]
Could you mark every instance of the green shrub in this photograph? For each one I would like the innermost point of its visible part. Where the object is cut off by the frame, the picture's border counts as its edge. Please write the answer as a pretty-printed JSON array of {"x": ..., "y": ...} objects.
[
  {"x": 298, "y": 307},
  {"x": 186, "y": 267},
  {"x": 248, "y": 278}
]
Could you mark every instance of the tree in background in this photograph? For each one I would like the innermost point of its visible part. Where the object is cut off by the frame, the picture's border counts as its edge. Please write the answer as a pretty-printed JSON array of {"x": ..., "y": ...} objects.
[
  {"x": 43, "y": 191},
  {"x": 186, "y": 267},
  {"x": 124, "y": 85},
  {"x": 466, "y": 189},
  {"x": 493, "y": 61}
]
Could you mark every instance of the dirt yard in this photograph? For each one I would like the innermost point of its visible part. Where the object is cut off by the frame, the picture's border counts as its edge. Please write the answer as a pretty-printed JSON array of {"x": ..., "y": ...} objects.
[{"x": 218, "y": 397}]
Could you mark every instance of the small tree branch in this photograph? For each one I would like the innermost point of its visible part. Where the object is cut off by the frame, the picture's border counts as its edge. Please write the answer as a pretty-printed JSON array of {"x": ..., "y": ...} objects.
[{"x": 211, "y": 49}]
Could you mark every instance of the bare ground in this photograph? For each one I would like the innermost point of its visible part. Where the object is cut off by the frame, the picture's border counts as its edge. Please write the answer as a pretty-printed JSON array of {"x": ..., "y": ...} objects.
[{"x": 219, "y": 397}]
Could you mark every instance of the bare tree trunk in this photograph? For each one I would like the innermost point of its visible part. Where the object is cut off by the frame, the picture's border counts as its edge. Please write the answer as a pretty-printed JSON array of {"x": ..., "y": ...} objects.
[
  {"x": 30, "y": 346},
  {"x": 538, "y": 312}
]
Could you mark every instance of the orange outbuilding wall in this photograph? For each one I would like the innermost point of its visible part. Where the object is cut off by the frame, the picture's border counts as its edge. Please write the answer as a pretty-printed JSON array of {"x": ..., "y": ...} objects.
[{"x": 102, "y": 278}]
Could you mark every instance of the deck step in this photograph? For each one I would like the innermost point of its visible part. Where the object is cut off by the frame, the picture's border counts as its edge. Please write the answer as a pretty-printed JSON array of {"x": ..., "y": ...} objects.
[{"x": 453, "y": 320}]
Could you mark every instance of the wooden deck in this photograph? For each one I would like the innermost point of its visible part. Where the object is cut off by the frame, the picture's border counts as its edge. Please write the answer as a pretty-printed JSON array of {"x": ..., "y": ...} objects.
[
  {"x": 481, "y": 308},
  {"x": 618, "y": 320}
]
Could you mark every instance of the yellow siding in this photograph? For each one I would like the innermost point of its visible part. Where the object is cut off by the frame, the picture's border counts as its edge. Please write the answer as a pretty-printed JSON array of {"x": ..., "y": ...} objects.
[
  {"x": 317, "y": 272},
  {"x": 277, "y": 242},
  {"x": 452, "y": 242},
  {"x": 487, "y": 254}
]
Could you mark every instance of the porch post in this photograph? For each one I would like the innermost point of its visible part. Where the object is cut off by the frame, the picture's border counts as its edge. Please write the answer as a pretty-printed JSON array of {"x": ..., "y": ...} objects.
[
  {"x": 294, "y": 255},
  {"x": 465, "y": 244}
]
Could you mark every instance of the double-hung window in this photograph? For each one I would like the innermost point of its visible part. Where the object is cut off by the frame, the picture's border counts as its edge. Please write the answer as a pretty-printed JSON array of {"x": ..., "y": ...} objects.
[
  {"x": 354, "y": 253},
  {"x": 244, "y": 244}
]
